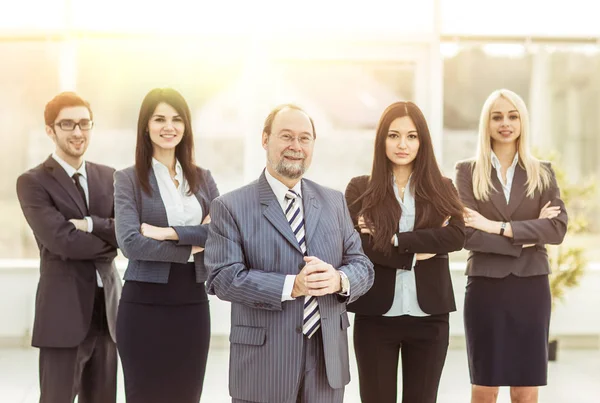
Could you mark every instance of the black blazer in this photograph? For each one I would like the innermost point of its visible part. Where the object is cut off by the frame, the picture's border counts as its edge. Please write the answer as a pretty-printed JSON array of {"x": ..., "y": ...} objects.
[
  {"x": 494, "y": 255},
  {"x": 434, "y": 284},
  {"x": 69, "y": 258}
]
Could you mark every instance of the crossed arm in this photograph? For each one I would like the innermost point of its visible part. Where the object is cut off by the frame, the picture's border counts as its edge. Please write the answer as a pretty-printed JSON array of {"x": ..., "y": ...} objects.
[
  {"x": 53, "y": 230},
  {"x": 483, "y": 235}
]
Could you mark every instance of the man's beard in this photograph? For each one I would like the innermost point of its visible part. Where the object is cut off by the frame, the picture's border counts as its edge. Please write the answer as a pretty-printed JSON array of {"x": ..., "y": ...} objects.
[
  {"x": 291, "y": 170},
  {"x": 64, "y": 146}
]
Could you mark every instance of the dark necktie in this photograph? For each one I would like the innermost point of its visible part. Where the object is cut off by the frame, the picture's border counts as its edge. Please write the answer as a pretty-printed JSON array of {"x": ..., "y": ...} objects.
[{"x": 75, "y": 177}]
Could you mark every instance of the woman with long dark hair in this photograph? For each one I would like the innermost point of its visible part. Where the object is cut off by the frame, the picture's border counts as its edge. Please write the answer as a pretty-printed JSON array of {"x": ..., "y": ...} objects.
[
  {"x": 162, "y": 214},
  {"x": 410, "y": 218},
  {"x": 512, "y": 209}
]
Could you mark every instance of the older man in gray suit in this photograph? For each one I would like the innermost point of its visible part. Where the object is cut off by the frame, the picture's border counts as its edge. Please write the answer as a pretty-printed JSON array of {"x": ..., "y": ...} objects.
[{"x": 283, "y": 250}]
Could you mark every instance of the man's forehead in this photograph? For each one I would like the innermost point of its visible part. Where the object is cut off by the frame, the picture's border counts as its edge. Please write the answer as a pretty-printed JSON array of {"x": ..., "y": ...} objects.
[
  {"x": 73, "y": 112},
  {"x": 293, "y": 120}
]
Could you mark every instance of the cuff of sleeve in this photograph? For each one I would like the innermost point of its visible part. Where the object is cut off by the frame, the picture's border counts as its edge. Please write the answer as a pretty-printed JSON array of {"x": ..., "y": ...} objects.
[
  {"x": 90, "y": 224},
  {"x": 288, "y": 286},
  {"x": 344, "y": 292}
]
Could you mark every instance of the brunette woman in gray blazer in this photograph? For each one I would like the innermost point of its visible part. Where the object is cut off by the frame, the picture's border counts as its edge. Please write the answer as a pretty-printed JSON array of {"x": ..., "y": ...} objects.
[
  {"x": 513, "y": 209},
  {"x": 162, "y": 214}
]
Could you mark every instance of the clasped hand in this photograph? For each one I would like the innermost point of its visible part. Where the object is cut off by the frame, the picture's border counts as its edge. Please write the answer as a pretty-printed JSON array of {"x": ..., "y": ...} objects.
[{"x": 316, "y": 278}]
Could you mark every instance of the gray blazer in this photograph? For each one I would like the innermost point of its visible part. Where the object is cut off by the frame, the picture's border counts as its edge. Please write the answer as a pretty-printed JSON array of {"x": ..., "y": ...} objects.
[
  {"x": 250, "y": 250},
  {"x": 494, "y": 255},
  {"x": 150, "y": 260}
]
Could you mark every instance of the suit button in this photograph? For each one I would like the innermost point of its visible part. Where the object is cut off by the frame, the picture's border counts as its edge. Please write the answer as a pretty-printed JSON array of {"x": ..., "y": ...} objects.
[
  {"x": 404, "y": 267},
  {"x": 298, "y": 329},
  {"x": 406, "y": 250}
]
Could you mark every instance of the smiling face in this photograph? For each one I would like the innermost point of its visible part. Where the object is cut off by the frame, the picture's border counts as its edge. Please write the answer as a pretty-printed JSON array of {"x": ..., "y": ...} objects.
[
  {"x": 70, "y": 144},
  {"x": 165, "y": 127},
  {"x": 505, "y": 122},
  {"x": 402, "y": 142},
  {"x": 290, "y": 145}
]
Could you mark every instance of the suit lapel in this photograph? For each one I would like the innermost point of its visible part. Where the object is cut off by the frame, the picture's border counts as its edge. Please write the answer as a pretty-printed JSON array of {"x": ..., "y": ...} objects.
[
  {"x": 154, "y": 203},
  {"x": 312, "y": 212},
  {"x": 273, "y": 212},
  {"x": 518, "y": 189},
  {"x": 66, "y": 182},
  {"x": 93, "y": 182},
  {"x": 497, "y": 196}
]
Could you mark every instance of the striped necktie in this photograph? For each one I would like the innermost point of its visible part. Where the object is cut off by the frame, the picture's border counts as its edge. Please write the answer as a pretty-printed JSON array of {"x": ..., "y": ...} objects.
[{"x": 312, "y": 318}]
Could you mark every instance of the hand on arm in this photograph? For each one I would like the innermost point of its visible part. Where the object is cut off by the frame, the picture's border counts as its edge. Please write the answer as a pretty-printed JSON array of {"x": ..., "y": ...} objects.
[{"x": 80, "y": 224}]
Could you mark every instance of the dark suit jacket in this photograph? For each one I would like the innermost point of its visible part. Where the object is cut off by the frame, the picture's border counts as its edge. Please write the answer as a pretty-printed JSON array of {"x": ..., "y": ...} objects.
[
  {"x": 69, "y": 258},
  {"x": 150, "y": 260},
  {"x": 494, "y": 255},
  {"x": 434, "y": 284}
]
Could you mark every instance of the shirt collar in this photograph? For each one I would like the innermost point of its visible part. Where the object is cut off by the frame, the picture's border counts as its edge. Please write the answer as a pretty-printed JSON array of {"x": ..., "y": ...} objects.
[
  {"x": 68, "y": 168},
  {"x": 496, "y": 161},
  {"x": 156, "y": 164},
  {"x": 281, "y": 189}
]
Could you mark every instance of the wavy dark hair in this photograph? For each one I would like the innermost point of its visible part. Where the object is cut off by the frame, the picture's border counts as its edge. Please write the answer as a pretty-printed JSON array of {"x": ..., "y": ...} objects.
[
  {"x": 184, "y": 151},
  {"x": 435, "y": 196}
]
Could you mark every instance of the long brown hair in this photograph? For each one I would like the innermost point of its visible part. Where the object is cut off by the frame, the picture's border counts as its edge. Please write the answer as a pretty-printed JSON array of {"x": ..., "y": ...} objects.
[
  {"x": 184, "y": 152},
  {"x": 435, "y": 196}
]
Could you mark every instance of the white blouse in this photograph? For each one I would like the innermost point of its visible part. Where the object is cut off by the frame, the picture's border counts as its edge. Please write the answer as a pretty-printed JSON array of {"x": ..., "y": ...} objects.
[
  {"x": 182, "y": 209},
  {"x": 405, "y": 293},
  {"x": 510, "y": 174}
]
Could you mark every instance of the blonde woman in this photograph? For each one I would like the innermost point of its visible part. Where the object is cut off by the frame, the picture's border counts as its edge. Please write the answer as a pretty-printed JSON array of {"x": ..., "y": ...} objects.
[{"x": 512, "y": 210}]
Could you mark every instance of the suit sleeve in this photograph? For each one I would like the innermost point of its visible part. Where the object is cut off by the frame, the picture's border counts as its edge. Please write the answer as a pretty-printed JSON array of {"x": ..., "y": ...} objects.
[
  {"x": 197, "y": 234},
  {"x": 104, "y": 228},
  {"x": 133, "y": 244},
  {"x": 543, "y": 230},
  {"x": 477, "y": 240},
  {"x": 355, "y": 264},
  {"x": 228, "y": 276},
  {"x": 53, "y": 230}
]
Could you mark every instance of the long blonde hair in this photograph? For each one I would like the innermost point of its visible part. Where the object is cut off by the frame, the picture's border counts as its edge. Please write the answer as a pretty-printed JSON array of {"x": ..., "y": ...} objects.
[{"x": 538, "y": 176}]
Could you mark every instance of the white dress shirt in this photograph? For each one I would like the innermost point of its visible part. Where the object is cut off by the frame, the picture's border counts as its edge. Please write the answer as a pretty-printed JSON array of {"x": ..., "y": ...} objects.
[
  {"x": 280, "y": 190},
  {"x": 84, "y": 184},
  {"x": 182, "y": 208},
  {"x": 405, "y": 293},
  {"x": 510, "y": 174}
]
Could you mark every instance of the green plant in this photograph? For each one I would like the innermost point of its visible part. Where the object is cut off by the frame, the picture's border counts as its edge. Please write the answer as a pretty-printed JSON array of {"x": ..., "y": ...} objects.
[{"x": 568, "y": 262}]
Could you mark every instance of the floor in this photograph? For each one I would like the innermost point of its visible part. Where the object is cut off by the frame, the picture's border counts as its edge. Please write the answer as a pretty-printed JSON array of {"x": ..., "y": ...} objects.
[{"x": 574, "y": 378}]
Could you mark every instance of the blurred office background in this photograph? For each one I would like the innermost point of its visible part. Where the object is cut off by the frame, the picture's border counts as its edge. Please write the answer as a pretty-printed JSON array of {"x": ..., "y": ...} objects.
[{"x": 344, "y": 63}]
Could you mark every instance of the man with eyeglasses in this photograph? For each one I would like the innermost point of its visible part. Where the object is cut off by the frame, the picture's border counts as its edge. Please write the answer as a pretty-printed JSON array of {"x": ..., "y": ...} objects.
[
  {"x": 68, "y": 203},
  {"x": 284, "y": 251}
]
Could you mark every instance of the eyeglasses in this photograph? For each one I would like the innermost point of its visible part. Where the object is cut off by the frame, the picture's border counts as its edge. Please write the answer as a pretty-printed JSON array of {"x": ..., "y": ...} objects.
[
  {"x": 304, "y": 139},
  {"x": 70, "y": 125}
]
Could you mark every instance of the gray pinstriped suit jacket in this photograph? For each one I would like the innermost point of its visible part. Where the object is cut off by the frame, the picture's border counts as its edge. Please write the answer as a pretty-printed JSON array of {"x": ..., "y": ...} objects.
[
  {"x": 250, "y": 250},
  {"x": 150, "y": 260}
]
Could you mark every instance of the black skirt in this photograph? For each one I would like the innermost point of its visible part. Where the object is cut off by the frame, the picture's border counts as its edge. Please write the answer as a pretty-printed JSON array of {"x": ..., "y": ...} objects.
[
  {"x": 163, "y": 335},
  {"x": 506, "y": 325}
]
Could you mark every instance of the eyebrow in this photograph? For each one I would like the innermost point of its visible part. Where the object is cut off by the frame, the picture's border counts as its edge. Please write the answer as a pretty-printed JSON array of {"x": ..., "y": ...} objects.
[
  {"x": 162, "y": 116},
  {"x": 291, "y": 131},
  {"x": 396, "y": 131},
  {"x": 514, "y": 110}
]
